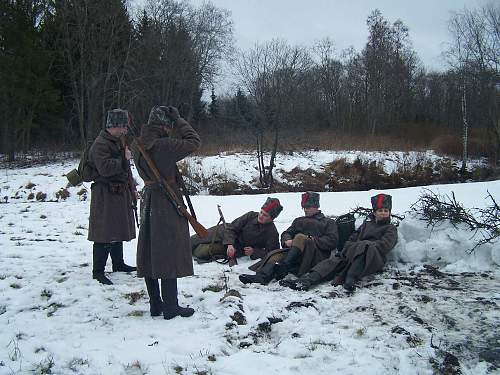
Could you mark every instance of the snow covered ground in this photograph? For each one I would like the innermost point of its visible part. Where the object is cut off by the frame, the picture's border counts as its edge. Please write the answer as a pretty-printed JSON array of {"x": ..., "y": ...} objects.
[
  {"x": 242, "y": 167},
  {"x": 436, "y": 303}
]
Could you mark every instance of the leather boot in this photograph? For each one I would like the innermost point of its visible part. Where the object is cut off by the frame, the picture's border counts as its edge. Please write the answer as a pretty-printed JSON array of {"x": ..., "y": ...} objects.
[
  {"x": 305, "y": 282},
  {"x": 263, "y": 276},
  {"x": 171, "y": 307},
  {"x": 117, "y": 258},
  {"x": 285, "y": 266},
  {"x": 354, "y": 273},
  {"x": 100, "y": 253},
  {"x": 155, "y": 302}
]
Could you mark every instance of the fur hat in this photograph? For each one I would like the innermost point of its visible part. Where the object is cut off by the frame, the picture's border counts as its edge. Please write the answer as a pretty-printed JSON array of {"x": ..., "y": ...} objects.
[
  {"x": 382, "y": 201},
  {"x": 310, "y": 199},
  {"x": 158, "y": 116},
  {"x": 273, "y": 207},
  {"x": 117, "y": 118}
]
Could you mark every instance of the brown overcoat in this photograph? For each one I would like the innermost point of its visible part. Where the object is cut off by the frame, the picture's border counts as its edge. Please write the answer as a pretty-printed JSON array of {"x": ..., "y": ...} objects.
[
  {"x": 375, "y": 239},
  {"x": 323, "y": 231},
  {"x": 241, "y": 232},
  {"x": 111, "y": 216},
  {"x": 163, "y": 249},
  {"x": 323, "y": 238}
]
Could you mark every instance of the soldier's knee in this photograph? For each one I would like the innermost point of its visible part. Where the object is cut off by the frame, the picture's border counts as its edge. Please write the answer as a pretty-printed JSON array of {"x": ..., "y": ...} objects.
[
  {"x": 300, "y": 237},
  {"x": 300, "y": 241},
  {"x": 276, "y": 258},
  {"x": 202, "y": 252}
]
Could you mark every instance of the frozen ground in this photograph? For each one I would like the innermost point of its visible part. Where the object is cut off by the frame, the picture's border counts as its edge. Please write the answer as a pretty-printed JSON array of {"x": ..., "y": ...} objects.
[{"x": 433, "y": 310}]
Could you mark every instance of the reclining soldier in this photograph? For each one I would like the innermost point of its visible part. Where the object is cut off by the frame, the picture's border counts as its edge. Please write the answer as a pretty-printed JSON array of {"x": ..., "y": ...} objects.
[
  {"x": 309, "y": 240},
  {"x": 363, "y": 254},
  {"x": 252, "y": 234}
]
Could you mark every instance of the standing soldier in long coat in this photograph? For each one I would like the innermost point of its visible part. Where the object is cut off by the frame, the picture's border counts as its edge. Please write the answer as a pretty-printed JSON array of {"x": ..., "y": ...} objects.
[
  {"x": 309, "y": 240},
  {"x": 363, "y": 254},
  {"x": 253, "y": 234},
  {"x": 111, "y": 218},
  {"x": 163, "y": 249}
]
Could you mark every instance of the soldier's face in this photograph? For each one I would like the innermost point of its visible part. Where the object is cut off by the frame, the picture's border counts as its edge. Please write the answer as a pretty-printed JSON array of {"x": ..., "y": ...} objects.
[
  {"x": 382, "y": 214},
  {"x": 118, "y": 132},
  {"x": 310, "y": 211},
  {"x": 264, "y": 217}
]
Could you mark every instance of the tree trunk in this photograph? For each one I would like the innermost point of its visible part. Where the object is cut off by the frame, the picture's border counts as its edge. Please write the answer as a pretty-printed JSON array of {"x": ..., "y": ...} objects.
[
  {"x": 273, "y": 157},
  {"x": 465, "y": 130}
]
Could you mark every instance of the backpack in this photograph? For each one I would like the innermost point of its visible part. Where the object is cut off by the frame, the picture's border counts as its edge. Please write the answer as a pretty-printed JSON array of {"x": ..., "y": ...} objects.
[
  {"x": 346, "y": 227},
  {"x": 86, "y": 171}
]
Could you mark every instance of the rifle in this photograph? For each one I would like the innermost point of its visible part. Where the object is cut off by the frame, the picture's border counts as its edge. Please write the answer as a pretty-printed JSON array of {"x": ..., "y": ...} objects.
[
  {"x": 232, "y": 261},
  {"x": 130, "y": 182},
  {"x": 184, "y": 190},
  {"x": 170, "y": 193}
]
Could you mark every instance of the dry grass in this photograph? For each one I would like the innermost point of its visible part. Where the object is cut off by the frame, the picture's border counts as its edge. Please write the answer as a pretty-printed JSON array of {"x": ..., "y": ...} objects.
[
  {"x": 408, "y": 137},
  {"x": 479, "y": 145}
]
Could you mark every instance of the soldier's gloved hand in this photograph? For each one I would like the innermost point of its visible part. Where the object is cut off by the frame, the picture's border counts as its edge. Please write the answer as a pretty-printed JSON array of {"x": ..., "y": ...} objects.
[
  {"x": 172, "y": 113},
  {"x": 231, "y": 251}
]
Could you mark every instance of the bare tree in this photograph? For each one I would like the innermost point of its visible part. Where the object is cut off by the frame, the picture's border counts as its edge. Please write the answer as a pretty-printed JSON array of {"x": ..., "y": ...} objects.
[
  {"x": 178, "y": 50},
  {"x": 474, "y": 52},
  {"x": 272, "y": 73},
  {"x": 95, "y": 38},
  {"x": 331, "y": 77}
]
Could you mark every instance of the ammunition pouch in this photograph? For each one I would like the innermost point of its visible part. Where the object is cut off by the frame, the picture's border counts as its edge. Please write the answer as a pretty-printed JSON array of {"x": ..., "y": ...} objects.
[{"x": 74, "y": 177}]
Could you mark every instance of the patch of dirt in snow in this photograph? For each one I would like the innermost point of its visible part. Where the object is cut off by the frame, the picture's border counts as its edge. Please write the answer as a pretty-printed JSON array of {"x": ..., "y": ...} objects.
[{"x": 444, "y": 320}]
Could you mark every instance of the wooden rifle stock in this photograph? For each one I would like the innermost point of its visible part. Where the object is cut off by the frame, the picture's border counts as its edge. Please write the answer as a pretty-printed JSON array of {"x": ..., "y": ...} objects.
[{"x": 167, "y": 189}]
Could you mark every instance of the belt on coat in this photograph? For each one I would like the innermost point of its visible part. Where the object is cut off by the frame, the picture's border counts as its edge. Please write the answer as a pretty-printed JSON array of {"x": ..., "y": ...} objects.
[{"x": 150, "y": 183}]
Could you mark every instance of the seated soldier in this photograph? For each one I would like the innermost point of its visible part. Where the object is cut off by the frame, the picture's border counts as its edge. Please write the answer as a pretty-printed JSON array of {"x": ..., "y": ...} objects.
[
  {"x": 363, "y": 254},
  {"x": 253, "y": 234},
  {"x": 309, "y": 240}
]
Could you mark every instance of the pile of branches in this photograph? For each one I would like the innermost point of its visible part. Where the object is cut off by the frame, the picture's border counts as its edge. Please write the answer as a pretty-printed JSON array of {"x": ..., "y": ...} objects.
[{"x": 433, "y": 209}]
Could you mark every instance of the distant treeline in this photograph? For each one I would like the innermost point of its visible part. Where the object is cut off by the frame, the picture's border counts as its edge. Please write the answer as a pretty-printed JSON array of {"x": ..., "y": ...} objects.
[{"x": 64, "y": 63}]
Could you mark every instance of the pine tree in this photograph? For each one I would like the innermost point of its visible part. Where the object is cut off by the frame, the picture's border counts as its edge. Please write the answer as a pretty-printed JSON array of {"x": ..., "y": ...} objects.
[{"x": 26, "y": 90}]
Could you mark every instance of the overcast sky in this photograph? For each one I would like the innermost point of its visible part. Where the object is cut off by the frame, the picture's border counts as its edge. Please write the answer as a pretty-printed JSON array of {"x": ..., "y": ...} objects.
[{"x": 306, "y": 21}]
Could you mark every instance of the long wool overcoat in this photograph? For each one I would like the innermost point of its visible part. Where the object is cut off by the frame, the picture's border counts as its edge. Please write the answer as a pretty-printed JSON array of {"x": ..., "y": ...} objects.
[
  {"x": 163, "y": 249},
  {"x": 111, "y": 216},
  {"x": 374, "y": 239},
  {"x": 324, "y": 237}
]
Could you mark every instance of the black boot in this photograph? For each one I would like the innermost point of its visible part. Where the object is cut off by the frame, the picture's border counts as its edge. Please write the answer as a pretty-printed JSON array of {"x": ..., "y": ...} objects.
[
  {"x": 291, "y": 258},
  {"x": 354, "y": 273},
  {"x": 100, "y": 253},
  {"x": 171, "y": 307},
  {"x": 155, "y": 302},
  {"x": 117, "y": 258},
  {"x": 305, "y": 282},
  {"x": 263, "y": 275}
]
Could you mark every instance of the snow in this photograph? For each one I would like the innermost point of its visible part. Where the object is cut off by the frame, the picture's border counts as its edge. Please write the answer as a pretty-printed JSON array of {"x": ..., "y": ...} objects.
[
  {"x": 53, "y": 315},
  {"x": 242, "y": 166}
]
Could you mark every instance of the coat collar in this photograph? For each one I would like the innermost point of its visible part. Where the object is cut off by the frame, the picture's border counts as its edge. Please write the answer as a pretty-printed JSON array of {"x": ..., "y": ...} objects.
[
  {"x": 318, "y": 216},
  {"x": 104, "y": 134}
]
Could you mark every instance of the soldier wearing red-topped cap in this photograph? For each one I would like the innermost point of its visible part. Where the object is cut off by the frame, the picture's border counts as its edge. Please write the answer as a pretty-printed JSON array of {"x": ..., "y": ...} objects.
[
  {"x": 309, "y": 240},
  {"x": 363, "y": 254},
  {"x": 253, "y": 234}
]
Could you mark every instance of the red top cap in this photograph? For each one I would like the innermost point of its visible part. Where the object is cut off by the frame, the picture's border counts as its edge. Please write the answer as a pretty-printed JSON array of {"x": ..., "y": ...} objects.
[{"x": 268, "y": 207}]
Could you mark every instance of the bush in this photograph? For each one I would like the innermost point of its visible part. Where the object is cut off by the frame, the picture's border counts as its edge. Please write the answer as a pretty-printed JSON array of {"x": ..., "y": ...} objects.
[{"x": 452, "y": 145}]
